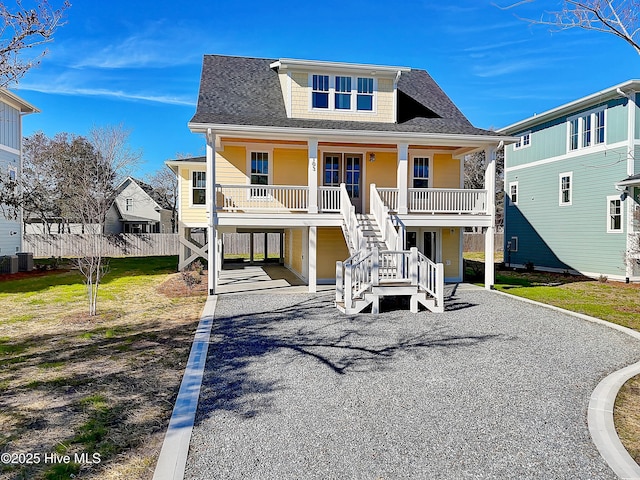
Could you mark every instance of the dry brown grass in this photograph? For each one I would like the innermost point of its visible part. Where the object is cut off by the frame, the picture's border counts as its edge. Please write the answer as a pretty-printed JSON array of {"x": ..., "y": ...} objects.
[
  {"x": 72, "y": 384},
  {"x": 626, "y": 416}
]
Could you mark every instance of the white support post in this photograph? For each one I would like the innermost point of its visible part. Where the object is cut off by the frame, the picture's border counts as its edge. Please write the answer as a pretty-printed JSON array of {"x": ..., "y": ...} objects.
[
  {"x": 489, "y": 238},
  {"x": 339, "y": 282},
  {"x": 413, "y": 265},
  {"x": 313, "y": 242},
  {"x": 211, "y": 213},
  {"x": 375, "y": 267},
  {"x": 312, "y": 180},
  {"x": 402, "y": 174}
]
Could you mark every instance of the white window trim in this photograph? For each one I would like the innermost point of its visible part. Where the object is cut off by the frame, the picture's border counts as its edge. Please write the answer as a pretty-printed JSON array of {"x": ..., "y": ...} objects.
[
  {"x": 11, "y": 169},
  {"x": 611, "y": 198},
  {"x": 191, "y": 204},
  {"x": 588, "y": 113},
  {"x": 429, "y": 157},
  {"x": 513, "y": 184},
  {"x": 560, "y": 176},
  {"x": 354, "y": 94},
  {"x": 514, "y": 244},
  {"x": 269, "y": 152},
  {"x": 519, "y": 145}
]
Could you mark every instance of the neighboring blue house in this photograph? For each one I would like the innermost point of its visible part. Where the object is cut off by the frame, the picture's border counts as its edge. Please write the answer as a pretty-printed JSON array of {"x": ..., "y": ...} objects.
[
  {"x": 573, "y": 186},
  {"x": 12, "y": 108}
]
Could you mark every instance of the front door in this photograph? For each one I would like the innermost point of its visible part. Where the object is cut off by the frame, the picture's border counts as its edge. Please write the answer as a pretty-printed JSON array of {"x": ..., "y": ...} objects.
[
  {"x": 352, "y": 178},
  {"x": 431, "y": 245},
  {"x": 345, "y": 168}
]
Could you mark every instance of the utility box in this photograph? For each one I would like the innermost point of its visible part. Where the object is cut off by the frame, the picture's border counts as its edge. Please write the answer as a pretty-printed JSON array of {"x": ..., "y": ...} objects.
[
  {"x": 25, "y": 262},
  {"x": 9, "y": 264}
]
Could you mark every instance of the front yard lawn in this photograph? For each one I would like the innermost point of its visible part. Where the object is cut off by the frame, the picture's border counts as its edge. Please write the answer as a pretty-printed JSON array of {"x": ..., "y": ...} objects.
[{"x": 102, "y": 386}]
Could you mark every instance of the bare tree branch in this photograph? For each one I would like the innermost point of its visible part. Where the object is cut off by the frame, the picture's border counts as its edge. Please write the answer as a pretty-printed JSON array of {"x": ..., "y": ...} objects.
[
  {"x": 620, "y": 18},
  {"x": 24, "y": 29}
]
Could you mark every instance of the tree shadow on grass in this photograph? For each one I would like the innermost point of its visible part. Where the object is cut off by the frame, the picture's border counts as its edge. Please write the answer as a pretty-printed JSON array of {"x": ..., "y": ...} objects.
[
  {"x": 249, "y": 351},
  {"x": 92, "y": 390}
]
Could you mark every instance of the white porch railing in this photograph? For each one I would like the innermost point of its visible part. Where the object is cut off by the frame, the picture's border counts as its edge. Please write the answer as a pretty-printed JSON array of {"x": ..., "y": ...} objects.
[
  {"x": 380, "y": 211},
  {"x": 438, "y": 200},
  {"x": 234, "y": 198},
  {"x": 328, "y": 199}
]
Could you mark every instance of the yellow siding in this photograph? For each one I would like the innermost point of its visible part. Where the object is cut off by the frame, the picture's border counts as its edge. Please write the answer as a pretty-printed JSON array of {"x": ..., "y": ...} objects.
[
  {"x": 446, "y": 171},
  {"x": 289, "y": 166},
  {"x": 297, "y": 251},
  {"x": 189, "y": 214},
  {"x": 231, "y": 165},
  {"x": 451, "y": 252},
  {"x": 382, "y": 172},
  {"x": 331, "y": 248},
  {"x": 300, "y": 97}
]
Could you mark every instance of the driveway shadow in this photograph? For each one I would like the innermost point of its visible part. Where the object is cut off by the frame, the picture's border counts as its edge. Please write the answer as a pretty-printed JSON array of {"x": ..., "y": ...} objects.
[{"x": 247, "y": 350}]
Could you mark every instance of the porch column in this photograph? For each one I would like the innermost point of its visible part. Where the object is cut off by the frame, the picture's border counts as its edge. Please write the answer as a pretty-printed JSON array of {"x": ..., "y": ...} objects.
[
  {"x": 312, "y": 181},
  {"x": 211, "y": 214},
  {"x": 401, "y": 181},
  {"x": 313, "y": 236},
  {"x": 489, "y": 236}
]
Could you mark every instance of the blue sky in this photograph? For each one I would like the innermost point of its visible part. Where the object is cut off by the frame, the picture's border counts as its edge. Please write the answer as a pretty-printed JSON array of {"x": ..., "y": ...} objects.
[{"x": 138, "y": 62}]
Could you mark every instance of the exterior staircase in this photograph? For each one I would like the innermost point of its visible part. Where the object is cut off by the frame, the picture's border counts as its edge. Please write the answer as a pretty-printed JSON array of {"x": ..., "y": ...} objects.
[{"x": 379, "y": 266}]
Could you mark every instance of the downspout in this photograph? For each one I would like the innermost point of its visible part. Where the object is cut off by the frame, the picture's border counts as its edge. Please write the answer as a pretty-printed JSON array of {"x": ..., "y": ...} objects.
[
  {"x": 395, "y": 96},
  {"x": 631, "y": 133}
]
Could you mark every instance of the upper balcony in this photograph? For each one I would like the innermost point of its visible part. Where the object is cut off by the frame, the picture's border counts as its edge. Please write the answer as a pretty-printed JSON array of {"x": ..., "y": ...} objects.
[{"x": 240, "y": 199}]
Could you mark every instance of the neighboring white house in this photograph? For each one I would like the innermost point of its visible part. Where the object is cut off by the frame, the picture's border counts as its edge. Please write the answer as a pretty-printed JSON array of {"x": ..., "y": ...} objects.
[
  {"x": 12, "y": 108},
  {"x": 137, "y": 209}
]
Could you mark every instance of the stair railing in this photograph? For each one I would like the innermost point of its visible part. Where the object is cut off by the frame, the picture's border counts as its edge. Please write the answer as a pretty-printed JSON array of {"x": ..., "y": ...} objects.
[
  {"x": 354, "y": 231},
  {"x": 380, "y": 212},
  {"x": 355, "y": 276},
  {"x": 427, "y": 275}
]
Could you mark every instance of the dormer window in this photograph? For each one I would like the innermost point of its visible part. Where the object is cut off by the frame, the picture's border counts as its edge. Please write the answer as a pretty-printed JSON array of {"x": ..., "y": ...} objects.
[
  {"x": 365, "y": 93},
  {"x": 320, "y": 92},
  {"x": 343, "y": 93}
]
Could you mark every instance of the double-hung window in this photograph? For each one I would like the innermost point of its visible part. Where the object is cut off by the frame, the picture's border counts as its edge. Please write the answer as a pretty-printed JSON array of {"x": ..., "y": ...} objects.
[
  {"x": 343, "y": 93},
  {"x": 566, "y": 186},
  {"x": 513, "y": 193},
  {"x": 259, "y": 173},
  {"x": 587, "y": 129},
  {"x": 421, "y": 172},
  {"x": 614, "y": 211},
  {"x": 320, "y": 91},
  {"x": 198, "y": 188},
  {"x": 129, "y": 204},
  {"x": 524, "y": 141},
  {"x": 365, "y": 94}
]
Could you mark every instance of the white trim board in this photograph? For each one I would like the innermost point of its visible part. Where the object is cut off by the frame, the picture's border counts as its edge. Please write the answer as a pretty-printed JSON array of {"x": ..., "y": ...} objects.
[{"x": 573, "y": 154}]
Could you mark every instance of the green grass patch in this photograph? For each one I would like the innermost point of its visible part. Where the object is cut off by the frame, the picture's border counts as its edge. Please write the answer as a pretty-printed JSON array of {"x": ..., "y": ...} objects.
[{"x": 50, "y": 365}]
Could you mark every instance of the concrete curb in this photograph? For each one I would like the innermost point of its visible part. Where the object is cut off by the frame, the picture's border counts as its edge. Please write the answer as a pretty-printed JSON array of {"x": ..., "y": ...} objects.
[
  {"x": 601, "y": 403},
  {"x": 175, "y": 448}
]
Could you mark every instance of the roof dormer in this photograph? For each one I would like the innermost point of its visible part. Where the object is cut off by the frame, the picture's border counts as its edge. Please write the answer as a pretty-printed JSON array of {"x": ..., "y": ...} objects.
[{"x": 339, "y": 91}]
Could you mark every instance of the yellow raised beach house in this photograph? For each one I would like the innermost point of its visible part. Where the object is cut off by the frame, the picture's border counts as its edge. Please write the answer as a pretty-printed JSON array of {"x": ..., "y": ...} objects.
[{"x": 359, "y": 167}]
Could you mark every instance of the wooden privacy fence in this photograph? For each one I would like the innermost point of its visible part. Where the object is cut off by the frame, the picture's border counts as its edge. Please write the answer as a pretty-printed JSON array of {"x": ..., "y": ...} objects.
[
  {"x": 474, "y": 242},
  {"x": 239, "y": 243},
  {"x": 121, "y": 245}
]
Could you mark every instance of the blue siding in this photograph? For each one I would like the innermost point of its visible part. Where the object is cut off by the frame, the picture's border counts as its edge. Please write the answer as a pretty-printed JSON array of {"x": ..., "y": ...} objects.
[
  {"x": 9, "y": 241},
  {"x": 574, "y": 236},
  {"x": 9, "y": 126}
]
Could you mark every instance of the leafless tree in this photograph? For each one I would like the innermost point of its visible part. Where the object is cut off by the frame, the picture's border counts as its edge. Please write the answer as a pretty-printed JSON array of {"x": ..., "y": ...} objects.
[
  {"x": 93, "y": 179},
  {"x": 616, "y": 17},
  {"x": 474, "y": 170},
  {"x": 25, "y": 29}
]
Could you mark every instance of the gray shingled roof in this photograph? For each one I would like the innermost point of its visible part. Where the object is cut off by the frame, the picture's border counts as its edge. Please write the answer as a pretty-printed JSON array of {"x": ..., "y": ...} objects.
[{"x": 246, "y": 91}]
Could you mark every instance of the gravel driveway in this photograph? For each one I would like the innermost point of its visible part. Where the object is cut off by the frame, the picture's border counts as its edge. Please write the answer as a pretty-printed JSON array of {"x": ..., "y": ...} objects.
[{"x": 492, "y": 388}]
